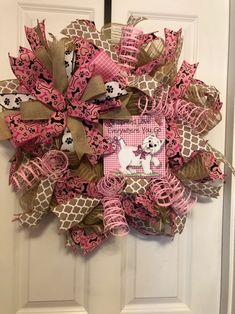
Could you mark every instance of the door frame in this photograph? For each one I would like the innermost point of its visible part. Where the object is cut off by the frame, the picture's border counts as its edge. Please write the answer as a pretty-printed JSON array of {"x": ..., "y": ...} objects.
[{"x": 227, "y": 304}]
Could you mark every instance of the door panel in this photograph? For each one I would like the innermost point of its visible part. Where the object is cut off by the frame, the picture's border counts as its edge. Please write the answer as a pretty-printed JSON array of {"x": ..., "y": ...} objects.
[
  {"x": 183, "y": 276},
  {"x": 129, "y": 275},
  {"x": 39, "y": 273}
]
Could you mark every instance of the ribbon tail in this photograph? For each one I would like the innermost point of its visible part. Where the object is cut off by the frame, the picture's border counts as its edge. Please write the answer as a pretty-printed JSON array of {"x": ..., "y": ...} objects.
[
  {"x": 5, "y": 133},
  {"x": 34, "y": 110},
  {"x": 220, "y": 157},
  {"x": 178, "y": 224},
  {"x": 9, "y": 86},
  {"x": 42, "y": 53},
  {"x": 85, "y": 241},
  {"x": 194, "y": 169},
  {"x": 41, "y": 205},
  {"x": 94, "y": 89},
  {"x": 80, "y": 142},
  {"x": 190, "y": 142},
  {"x": 205, "y": 189},
  {"x": 57, "y": 53},
  {"x": 145, "y": 83},
  {"x": 136, "y": 186},
  {"x": 95, "y": 217},
  {"x": 74, "y": 211},
  {"x": 40, "y": 30},
  {"x": 44, "y": 57}
]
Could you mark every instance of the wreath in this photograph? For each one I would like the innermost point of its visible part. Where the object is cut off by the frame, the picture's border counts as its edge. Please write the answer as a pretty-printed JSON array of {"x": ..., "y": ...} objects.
[{"x": 56, "y": 113}]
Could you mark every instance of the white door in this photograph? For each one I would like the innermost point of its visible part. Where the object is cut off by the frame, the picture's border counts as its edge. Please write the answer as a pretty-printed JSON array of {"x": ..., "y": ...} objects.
[{"x": 130, "y": 275}]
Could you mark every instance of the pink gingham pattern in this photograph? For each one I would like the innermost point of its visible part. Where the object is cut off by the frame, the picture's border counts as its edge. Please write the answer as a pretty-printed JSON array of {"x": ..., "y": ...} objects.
[
  {"x": 104, "y": 66},
  {"x": 133, "y": 132}
]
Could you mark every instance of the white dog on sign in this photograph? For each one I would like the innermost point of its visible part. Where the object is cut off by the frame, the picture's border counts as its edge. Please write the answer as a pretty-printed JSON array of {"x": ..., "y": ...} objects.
[{"x": 143, "y": 155}]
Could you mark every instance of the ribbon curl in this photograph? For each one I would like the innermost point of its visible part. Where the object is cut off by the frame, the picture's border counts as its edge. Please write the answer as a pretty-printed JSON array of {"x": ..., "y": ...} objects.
[
  {"x": 167, "y": 192},
  {"x": 114, "y": 216},
  {"x": 52, "y": 165},
  {"x": 168, "y": 102}
]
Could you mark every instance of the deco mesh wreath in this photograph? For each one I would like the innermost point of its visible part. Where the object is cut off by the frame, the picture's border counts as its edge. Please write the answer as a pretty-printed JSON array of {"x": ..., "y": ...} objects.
[{"x": 54, "y": 114}]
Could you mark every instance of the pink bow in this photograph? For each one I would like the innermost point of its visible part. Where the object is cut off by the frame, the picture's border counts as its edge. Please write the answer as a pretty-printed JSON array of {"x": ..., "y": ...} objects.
[{"x": 35, "y": 79}]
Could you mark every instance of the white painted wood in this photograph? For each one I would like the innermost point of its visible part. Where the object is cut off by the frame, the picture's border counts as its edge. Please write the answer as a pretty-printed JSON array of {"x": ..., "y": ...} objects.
[
  {"x": 37, "y": 273},
  {"x": 228, "y": 261},
  {"x": 186, "y": 280},
  {"x": 57, "y": 13},
  {"x": 130, "y": 275},
  {"x": 231, "y": 268}
]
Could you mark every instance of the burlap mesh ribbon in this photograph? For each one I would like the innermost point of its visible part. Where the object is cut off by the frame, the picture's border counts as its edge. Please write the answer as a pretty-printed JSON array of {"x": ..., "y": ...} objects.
[{"x": 5, "y": 133}]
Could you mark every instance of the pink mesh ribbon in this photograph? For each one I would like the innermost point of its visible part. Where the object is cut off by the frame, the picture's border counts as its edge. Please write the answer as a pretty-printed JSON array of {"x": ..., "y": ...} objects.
[
  {"x": 129, "y": 46},
  {"x": 169, "y": 191},
  {"x": 114, "y": 216},
  {"x": 198, "y": 118},
  {"x": 52, "y": 165}
]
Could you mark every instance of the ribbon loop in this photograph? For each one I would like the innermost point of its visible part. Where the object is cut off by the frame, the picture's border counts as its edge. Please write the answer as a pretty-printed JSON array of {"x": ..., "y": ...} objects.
[{"x": 52, "y": 165}]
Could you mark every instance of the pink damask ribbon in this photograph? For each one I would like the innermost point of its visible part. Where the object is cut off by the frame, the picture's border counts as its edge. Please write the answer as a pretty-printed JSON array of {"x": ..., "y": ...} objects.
[
  {"x": 33, "y": 37},
  {"x": 171, "y": 43},
  {"x": 84, "y": 240},
  {"x": 70, "y": 186},
  {"x": 37, "y": 81},
  {"x": 28, "y": 132}
]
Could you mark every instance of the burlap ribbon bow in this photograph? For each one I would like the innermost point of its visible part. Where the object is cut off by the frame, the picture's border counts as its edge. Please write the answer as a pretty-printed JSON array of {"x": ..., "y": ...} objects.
[{"x": 54, "y": 102}]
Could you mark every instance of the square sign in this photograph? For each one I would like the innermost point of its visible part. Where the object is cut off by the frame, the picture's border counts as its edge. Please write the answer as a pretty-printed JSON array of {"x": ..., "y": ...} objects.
[{"x": 139, "y": 147}]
